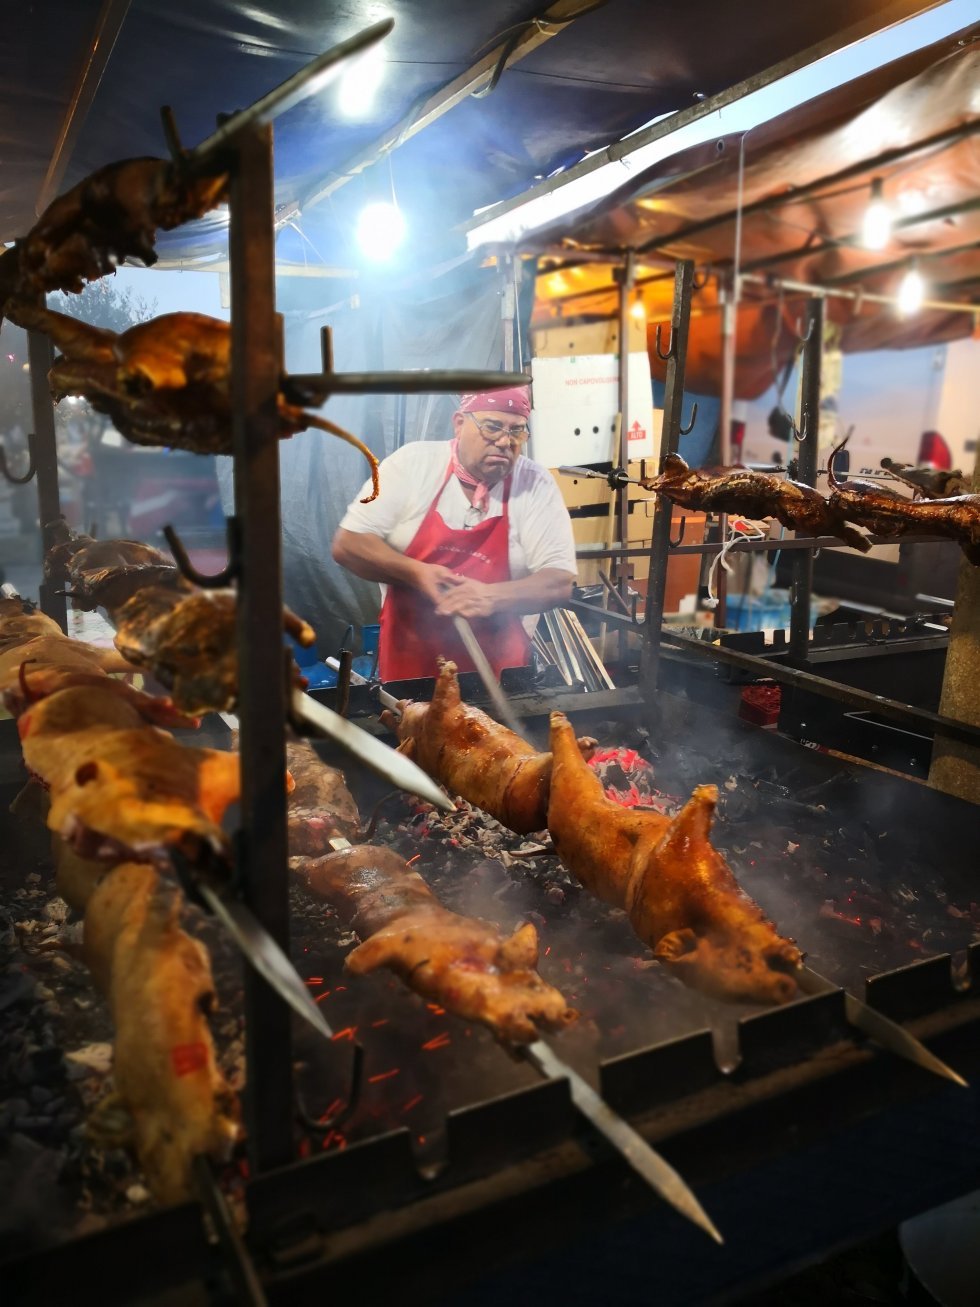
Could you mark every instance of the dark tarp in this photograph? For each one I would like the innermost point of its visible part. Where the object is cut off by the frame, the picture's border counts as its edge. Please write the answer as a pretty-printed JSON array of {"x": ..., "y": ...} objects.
[
  {"x": 607, "y": 73},
  {"x": 805, "y": 238}
]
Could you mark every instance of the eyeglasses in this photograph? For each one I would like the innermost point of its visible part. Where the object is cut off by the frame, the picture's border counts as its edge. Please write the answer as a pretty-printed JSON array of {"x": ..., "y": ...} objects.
[{"x": 491, "y": 430}]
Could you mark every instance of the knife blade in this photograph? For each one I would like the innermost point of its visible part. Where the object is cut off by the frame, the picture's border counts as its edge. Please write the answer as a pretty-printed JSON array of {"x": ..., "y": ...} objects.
[
  {"x": 631, "y": 1146},
  {"x": 387, "y": 762},
  {"x": 264, "y": 954},
  {"x": 882, "y": 1030},
  {"x": 487, "y": 675}
]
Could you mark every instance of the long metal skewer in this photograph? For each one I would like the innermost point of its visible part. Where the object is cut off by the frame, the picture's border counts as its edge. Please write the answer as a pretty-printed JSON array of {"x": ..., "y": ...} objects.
[{"x": 632, "y": 1147}]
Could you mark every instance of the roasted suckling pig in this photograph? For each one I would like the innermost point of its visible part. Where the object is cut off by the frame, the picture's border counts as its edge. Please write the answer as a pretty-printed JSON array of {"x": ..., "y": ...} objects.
[
  {"x": 20, "y": 622},
  {"x": 887, "y": 513},
  {"x": 755, "y": 495},
  {"x": 474, "y": 756},
  {"x": 105, "y": 573},
  {"x": 170, "y": 1102},
  {"x": 681, "y": 896},
  {"x": 35, "y": 681},
  {"x": 188, "y": 642},
  {"x": 465, "y": 965},
  {"x": 110, "y": 216},
  {"x": 321, "y": 806},
  {"x": 120, "y": 788},
  {"x": 162, "y": 382}
]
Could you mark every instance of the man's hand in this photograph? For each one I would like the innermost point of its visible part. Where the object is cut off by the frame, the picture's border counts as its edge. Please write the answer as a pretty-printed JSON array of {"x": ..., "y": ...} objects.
[
  {"x": 468, "y": 598},
  {"x": 434, "y": 580}
]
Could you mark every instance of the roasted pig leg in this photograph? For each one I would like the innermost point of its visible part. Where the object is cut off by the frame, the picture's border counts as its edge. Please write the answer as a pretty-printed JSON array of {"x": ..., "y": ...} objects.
[
  {"x": 887, "y": 513},
  {"x": 170, "y": 1102},
  {"x": 120, "y": 788},
  {"x": 681, "y": 896},
  {"x": 110, "y": 216},
  {"x": 321, "y": 807},
  {"x": 465, "y": 965},
  {"x": 475, "y": 757},
  {"x": 188, "y": 642},
  {"x": 753, "y": 494}
]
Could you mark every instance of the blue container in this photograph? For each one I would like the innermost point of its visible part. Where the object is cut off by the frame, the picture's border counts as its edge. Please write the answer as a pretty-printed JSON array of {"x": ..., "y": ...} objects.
[
  {"x": 369, "y": 638},
  {"x": 760, "y": 612}
]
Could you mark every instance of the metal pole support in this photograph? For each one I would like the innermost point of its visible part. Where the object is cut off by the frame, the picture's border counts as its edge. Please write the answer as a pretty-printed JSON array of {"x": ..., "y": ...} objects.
[
  {"x": 256, "y": 365},
  {"x": 626, "y": 276},
  {"x": 807, "y": 451},
  {"x": 660, "y": 535},
  {"x": 40, "y": 355}
]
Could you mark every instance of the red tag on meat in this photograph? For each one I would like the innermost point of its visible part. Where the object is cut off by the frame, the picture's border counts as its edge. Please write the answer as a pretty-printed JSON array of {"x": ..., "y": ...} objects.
[{"x": 188, "y": 1057}]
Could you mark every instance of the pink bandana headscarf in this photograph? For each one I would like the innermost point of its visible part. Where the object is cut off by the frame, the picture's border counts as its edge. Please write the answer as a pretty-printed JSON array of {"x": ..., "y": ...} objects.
[{"x": 515, "y": 400}]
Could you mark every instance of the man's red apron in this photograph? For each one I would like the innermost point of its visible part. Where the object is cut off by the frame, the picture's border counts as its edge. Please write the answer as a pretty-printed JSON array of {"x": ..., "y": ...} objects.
[{"x": 412, "y": 636}]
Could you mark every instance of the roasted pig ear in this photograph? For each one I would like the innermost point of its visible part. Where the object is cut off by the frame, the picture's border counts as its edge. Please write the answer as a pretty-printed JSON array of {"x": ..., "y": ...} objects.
[{"x": 520, "y": 950}]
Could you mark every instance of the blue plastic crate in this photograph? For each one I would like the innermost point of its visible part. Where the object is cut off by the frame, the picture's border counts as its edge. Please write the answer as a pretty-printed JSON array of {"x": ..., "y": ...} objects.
[{"x": 761, "y": 612}]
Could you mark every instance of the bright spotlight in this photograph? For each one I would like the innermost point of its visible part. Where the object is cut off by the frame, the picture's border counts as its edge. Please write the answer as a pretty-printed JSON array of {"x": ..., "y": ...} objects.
[
  {"x": 359, "y": 83},
  {"x": 380, "y": 230},
  {"x": 911, "y": 293},
  {"x": 876, "y": 229},
  {"x": 638, "y": 310}
]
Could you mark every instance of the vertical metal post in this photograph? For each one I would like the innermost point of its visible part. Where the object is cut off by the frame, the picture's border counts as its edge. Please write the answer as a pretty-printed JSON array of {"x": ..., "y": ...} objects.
[
  {"x": 508, "y": 309},
  {"x": 660, "y": 535},
  {"x": 40, "y": 356},
  {"x": 807, "y": 451},
  {"x": 627, "y": 277},
  {"x": 729, "y": 343},
  {"x": 256, "y": 365}
]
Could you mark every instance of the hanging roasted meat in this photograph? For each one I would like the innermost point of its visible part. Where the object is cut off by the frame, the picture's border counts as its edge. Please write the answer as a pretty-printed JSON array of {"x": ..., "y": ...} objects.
[
  {"x": 465, "y": 965},
  {"x": 475, "y": 757},
  {"x": 162, "y": 382},
  {"x": 35, "y": 681},
  {"x": 929, "y": 482},
  {"x": 681, "y": 896},
  {"x": 887, "y": 513},
  {"x": 110, "y": 216},
  {"x": 120, "y": 788},
  {"x": 755, "y": 495},
  {"x": 105, "y": 573},
  {"x": 21, "y": 621},
  {"x": 188, "y": 641},
  {"x": 53, "y": 651},
  {"x": 170, "y": 1103}
]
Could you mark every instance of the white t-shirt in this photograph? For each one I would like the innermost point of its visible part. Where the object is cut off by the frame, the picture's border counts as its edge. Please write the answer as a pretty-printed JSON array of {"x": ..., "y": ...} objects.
[{"x": 540, "y": 531}]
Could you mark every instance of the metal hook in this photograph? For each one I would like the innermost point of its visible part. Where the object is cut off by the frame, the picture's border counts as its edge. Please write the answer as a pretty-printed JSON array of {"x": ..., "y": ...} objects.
[
  {"x": 190, "y": 572},
  {"x": 675, "y": 544},
  {"x": 686, "y": 431},
  {"x": 700, "y": 283},
  {"x": 802, "y": 431},
  {"x": 323, "y": 1125},
  {"x": 31, "y": 469},
  {"x": 809, "y": 331},
  {"x": 671, "y": 348}
]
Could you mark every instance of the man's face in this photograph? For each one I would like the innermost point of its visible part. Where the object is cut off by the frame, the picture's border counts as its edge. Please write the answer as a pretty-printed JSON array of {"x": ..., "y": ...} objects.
[{"x": 489, "y": 442}]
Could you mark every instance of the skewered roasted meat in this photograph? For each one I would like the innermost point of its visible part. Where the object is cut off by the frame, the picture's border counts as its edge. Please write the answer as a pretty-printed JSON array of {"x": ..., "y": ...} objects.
[
  {"x": 105, "y": 573},
  {"x": 187, "y": 640},
  {"x": 930, "y": 482},
  {"x": 321, "y": 806},
  {"x": 36, "y": 681},
  {"x": 170, "y": 1101},
  {"x": 754, "y": 494},
  {"x": 681, "y": 896},
  {"x": 53, "y": 651},
  {"x": 120, "y": 788},
  {"x": 20, "y": 622},
  {"x": 110, "y": 216},
  {"x": 463, "y": 964},
  {"x": 887, "y": 513},
  {"x": 162, "y": 382},
  {"x": 474, "y": 756}
]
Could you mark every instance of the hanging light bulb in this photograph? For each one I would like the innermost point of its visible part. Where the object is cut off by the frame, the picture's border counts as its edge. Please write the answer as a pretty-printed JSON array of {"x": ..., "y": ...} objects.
[
  {"x": 380, "y": 230},
  {"x": 912, "y": 291},
  {"x": 638, "y": 309},
  {"x": 876, "y": 229}
]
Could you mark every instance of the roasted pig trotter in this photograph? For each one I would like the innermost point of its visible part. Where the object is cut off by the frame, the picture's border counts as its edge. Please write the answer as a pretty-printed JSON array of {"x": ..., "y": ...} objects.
[
  {"x": 188, "y": 641},
  {"x": 171, "y": 1102},
  {"x": 461, "y": 963},
  {"x": 110, "y": 216},
  {"x": 753, "y": 494},
  {"x": 887, "y": 513},
  {"x": 475, "y": 757},
  {"x": 681, "y": 896}
]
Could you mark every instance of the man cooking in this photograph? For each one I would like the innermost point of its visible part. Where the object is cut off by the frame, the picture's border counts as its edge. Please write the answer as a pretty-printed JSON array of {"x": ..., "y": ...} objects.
[{"x": 467, "y": 527}]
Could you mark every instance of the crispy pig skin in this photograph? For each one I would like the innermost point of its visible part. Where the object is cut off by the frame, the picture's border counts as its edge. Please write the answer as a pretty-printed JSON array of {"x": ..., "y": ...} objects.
[
  {"x": 755, "y": 495},
  {"x": 171, "y": 1102},
  {"x": 120, "y": 787},
  {"x": 681, "y": 896},
  {"x": 465, "y": 965},
  {"x": 475, "y": 757},
  {"x": 884, "y": 512}
]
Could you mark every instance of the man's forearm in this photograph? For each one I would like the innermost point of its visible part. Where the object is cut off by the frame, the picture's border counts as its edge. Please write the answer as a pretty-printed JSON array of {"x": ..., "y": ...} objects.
[
  {"x": 549, "y": 588},
  {"x": 373, "y": 559}
]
